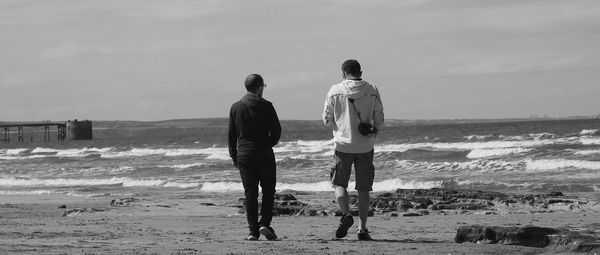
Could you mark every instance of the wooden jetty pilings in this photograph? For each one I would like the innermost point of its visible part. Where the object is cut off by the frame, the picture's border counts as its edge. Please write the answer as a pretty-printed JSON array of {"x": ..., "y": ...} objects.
[
  {"x": 61, "y": 126},
  {"x": 74, "y": 130}
]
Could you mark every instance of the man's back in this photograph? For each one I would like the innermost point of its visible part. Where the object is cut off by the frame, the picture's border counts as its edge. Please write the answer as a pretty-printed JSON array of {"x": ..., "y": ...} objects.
[
  {"x": 253, "y": 131},
  {"x": 254, "y": 125},
  {"x": 345, "y": 102}
]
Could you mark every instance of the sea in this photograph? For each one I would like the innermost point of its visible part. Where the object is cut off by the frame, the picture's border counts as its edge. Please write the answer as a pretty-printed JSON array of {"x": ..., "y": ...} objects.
[{"x": 524, "y": 156}]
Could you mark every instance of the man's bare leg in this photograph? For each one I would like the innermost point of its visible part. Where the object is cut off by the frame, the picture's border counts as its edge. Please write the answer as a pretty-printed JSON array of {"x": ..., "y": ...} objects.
[
  {"x": 363, "y": 208},
  {"x": 343, "y": 200},
  {"x": 341, "y": 194}
]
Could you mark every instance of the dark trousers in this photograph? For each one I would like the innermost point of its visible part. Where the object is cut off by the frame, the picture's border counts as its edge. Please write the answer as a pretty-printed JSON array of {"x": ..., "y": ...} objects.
[{"x": 258, "y": 169}]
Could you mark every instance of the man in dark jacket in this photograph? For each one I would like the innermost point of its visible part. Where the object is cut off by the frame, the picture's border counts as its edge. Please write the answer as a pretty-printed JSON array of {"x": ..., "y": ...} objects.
[{"x": 253, "y": 131}]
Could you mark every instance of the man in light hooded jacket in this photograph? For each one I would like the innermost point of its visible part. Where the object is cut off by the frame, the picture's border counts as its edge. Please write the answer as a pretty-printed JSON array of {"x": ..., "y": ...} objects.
[{"x": 348, "y": 104}]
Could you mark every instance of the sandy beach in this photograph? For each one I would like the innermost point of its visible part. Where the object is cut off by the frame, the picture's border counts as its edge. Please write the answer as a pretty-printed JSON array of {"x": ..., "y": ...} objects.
[{"x": 188, "y": 223}]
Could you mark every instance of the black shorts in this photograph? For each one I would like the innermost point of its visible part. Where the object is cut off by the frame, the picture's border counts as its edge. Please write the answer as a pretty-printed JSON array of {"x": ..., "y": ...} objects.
[{"x": 363, "y": 168}]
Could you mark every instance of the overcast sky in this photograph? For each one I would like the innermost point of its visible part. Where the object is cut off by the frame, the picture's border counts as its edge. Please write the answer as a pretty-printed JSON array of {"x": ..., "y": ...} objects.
[{"x": 431, "y": 59}]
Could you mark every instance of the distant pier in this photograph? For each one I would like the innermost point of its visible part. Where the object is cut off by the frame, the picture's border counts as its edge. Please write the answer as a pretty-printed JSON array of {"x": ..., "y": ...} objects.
[{"x": 73, "y": 130}]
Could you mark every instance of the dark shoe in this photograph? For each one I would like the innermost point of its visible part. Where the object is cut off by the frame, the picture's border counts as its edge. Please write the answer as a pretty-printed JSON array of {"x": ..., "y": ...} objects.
[
  {"x": 268, "y": 232},
  {"x": 252, "y": 237},
  {"x": 363, "y": 235},
  {"x": 345, "y": 223}
]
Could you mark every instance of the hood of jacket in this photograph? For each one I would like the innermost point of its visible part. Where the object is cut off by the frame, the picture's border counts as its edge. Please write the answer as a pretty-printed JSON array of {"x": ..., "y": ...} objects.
[
  {"x": 356, "y": 88},
  {"x": 253, "y": 101}
]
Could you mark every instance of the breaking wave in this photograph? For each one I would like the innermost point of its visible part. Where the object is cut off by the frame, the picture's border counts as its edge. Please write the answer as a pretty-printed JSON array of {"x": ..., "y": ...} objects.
[
  {"x": 485, "y": 153},
  {"x": 385, "y": 185},
  {"x": 555, "y": 164},
  {"x": 589, "y": 132},
  {"x": 64, "y": 182},
  {"x": 478, "y": 147}
]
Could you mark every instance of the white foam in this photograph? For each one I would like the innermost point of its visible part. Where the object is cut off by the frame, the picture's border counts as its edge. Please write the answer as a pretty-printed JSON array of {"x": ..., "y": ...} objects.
[
  {"x": 43, "y": 150},
  {"x": 126, "y": 182},
  {"x": 398, "y": 147},
  {"x": 511, "y": 137},
  {"x": 481, "y": 165},
  {"x": 181, "y": 185},
  {"x": 141, "y": 183},
  {"x": 484, "y": 153},
  {"x": 14, "y": 151},
  {"x": 585, "y": 176},
  {"x": 301, "y": 146},
  {"x": 184, "y": 166},
  {"x": 316, "y": 186},
  {"x": 50, "y": 192},
  {"x": 586, "y": 152},
  {"x": 141, "y": 152},
  {"x": 540, "y": 136},
  {"x": 222, "y": 186},
  {"x": 473, "y": 145},
  {"x": 393, "y": 184},
  {"x": 589, "y": 132},
  {"x": 385, "y": 185},
  {"x": 492, "y": 144},
  {"x": 589, "y": 140},
  {"x": 554, "y": 164},
  {"x": 479, "y": 137},
  {"x": 73, "y": 152},
  {"x": 493, "y": 182},
  {"x": 22, "y": 157},
  {"x": 219, "y": 156},
  {"x": 29, "y": 192},
  {"x": 114, "y": 170},
  {"x": 325, "y": 147},
  {"x": 58, "y": 182},
  {"x": 514, "y": 143},
  {"x": 328, "y": 153}
]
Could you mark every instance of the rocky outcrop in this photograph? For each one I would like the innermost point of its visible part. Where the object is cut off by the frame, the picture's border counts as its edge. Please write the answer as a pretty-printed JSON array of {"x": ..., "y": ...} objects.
[
  {"x": 584, "y": 239},
  {"x": 419, "y": 202},
  {"x": 128, "y": 201},
  {"x": 404, "y": 200},
  {"x": 284, "y": 204},
  {"x": 77, "y": 211},
  {"x": 287, "y": 204},
  {"x": 526, "y": 236}
]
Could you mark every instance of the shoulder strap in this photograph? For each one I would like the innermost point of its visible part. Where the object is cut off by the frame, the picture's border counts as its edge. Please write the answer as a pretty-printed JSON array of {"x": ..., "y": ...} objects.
[{"x": 356, "y": 110}]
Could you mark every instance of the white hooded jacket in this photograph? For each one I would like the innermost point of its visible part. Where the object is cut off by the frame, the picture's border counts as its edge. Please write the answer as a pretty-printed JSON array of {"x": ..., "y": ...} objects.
[{"x": 340, "y": 115}]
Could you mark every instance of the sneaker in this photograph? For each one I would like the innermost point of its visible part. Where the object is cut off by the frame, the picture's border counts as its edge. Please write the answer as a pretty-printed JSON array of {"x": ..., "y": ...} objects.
[
  {"x": 345, "y": 223},
  {"x": 363, "y": 235},
  {"x": 268, "y": 232},
  {"x": 252, "y": 237}
]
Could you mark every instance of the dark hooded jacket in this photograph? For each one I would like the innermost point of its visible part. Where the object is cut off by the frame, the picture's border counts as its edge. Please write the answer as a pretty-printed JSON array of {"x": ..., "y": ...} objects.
[{"x": 253, "y": 126}]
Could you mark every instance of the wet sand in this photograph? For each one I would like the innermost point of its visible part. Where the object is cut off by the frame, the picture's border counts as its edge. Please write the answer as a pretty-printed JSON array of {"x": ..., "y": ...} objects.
[{"x": 199, "y": 224}]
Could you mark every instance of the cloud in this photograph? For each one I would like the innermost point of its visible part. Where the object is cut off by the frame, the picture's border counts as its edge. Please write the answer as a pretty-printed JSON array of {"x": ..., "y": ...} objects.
[
  {"x": 188, "y": 57},
  {"x": 150, "y": 104},
  {"x": 507, "y": 65},
  {"x": 15, "y": 80},
  {"x": 69, "y": 49},
  {"x": 171, "y": 10},
  {"x": 538, "y": 16}
]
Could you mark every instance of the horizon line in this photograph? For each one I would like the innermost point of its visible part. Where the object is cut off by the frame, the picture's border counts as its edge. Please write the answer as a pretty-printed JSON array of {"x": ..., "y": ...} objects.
[{"x": 391, "y": 119}]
